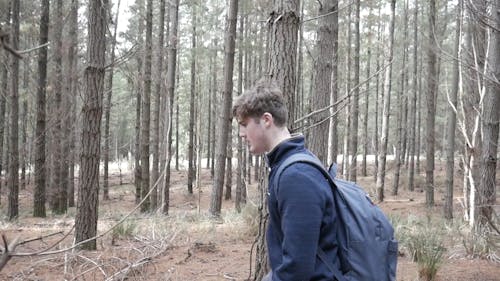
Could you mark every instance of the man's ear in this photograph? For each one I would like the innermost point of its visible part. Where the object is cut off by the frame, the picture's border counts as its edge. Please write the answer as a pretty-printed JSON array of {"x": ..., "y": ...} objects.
[{"x": 268, "y": 119}]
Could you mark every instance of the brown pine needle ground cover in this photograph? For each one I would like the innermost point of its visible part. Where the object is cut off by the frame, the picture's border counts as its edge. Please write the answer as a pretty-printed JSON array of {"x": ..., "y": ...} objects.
[{"x": 188, "y": 245}]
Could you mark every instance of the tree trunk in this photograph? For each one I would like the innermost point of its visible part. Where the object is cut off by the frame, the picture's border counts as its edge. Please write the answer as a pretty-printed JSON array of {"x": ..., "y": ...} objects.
[
  {"x": 40, "y": 134},
  {"x": 155, "y": 171},
  {"x": 364, "y": 171},
  {"x": 57, "y": 190},
  {"x": 355, "y": 105},
  {"x": 345, "y": 154},
  {"x": 240, "y": 183},
  {"x": 413, "y": 107},
  {"x": 452, "y": 120},
  {"x": 333, "y": 138},
  {"x": 387, "y": 100},
  {"x": 431, "y": 107},
  {"x": 323, "y": 67},
  {"x": 3, "y": 101},
  {"x": 72, "y": 92},
  {"x": 283, "y": 27},
  {"x": 138, "y": 89},
  {"x": 225, "y": 119},
  {"x": 401, "y": 108},
  {"x": 490, "y": 125},
  {"x": 107, "y": 107},
  {"x": 171, "y": 68},
  {"x": 191, "y": 167},
  {"x": 88, "y": 195},
  {"x": 377, "y": 97},
  {"x": 146, "y": 110},
  {"x": 13, "y": 179}
]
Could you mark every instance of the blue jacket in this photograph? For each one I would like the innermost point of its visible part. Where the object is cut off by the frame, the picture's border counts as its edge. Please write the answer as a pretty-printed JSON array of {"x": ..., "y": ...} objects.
[{"x": 302, "y": 218}]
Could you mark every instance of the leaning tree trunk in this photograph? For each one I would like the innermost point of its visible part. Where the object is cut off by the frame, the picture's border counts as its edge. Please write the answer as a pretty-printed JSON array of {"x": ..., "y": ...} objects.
[
  {"x": 13, "y": 178},
  {"x": 323, "y": 67},
  {"x": 452, "y": 120},
  {"x": 88, "y": 195},
  {"x": 225, "y": 118},
  {"x": 385, "y": 118},
  {"x": 40, "y": 134}
]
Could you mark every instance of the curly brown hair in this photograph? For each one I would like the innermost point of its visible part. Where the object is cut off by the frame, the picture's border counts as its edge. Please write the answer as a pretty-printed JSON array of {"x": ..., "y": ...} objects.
[{"x": 264, "y": 96}]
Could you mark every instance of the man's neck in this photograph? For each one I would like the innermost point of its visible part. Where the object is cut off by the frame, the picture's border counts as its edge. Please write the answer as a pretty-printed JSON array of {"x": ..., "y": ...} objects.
[{"x": 278, "y": 136}]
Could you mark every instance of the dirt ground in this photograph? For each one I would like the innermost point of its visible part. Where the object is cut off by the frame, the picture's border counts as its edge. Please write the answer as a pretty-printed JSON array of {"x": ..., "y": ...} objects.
[{"x": 186, "y": 244}]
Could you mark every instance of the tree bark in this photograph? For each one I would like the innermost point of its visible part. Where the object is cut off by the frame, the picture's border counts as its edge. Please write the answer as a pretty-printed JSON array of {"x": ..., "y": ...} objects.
[
  {"x": 40, "y": 134},
  {"x": 401, "y": 108},
  {"x": 88, "y": 195},
  {"x": 490, "y": 125},
  {"x": 452, "y": 120},
  {"x": 387, "y": 100},
  {"x": 225, "y": 119},
  {"x": 323, "y": 79},
  {"x": 355, "y": 104},
  {"x": 146, "y": 110},
  {"x": 171, "y": 68},
  {"x": 413, "y": 108},
  {"x": 138, "y": 89},
  {"x": 3, "y": 100},
  {"x": 431, "y": 107},
  {"x": 107, "y": 107},
  {"x": 283, "y": 27},
  {"x": 13, "y": 178},
  {"x": 191, "y": 161}
]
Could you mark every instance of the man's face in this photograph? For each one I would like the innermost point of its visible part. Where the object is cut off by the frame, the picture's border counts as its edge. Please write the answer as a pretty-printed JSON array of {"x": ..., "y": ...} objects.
[{"x": 253, "y": 131}]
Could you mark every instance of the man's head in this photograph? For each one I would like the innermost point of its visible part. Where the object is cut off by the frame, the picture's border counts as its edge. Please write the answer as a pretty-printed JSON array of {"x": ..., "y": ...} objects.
[{"x": 262, "y": 114}]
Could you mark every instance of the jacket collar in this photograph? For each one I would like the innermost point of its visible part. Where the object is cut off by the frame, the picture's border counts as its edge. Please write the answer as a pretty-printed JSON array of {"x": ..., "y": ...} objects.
[{"x": 295, "y": 143}]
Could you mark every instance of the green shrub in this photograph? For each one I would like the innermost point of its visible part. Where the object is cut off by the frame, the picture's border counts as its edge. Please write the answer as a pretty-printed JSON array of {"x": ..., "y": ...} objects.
[
  {"x": 424, "y": 243},
  {"x": 125, "y": 229}
]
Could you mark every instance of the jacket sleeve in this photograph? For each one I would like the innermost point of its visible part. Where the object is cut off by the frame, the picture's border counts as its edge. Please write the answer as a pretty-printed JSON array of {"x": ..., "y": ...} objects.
[{"x": 301, "y": 204}]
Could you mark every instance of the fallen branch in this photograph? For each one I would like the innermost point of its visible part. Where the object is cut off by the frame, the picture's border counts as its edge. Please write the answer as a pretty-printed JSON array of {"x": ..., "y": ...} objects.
[{"x": 6, "y": 250}]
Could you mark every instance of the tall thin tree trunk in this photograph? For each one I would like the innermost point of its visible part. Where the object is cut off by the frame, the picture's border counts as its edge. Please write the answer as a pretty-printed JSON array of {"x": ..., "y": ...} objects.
[
  {"x": 3, "y": 100},
  {"x": 72, "y": 85},
  {"x": 155, "y": 170},
  {"x": 333, "y": 138},
  {"x": 146, "y": 109},
  {"x": 431, "y": 108},
  {"x": 225, "y": 119},
  {"x": 348, "y": 108},
  {"x": 240, "y": 183},
  {"x": 40, "y": 135},
  {"x": 171, "y": 68},
  {"x": 191, "y": 167},
  {"x": 364, "y": 171},
  {"x": 413, "y": 108},
  {"x": 377, "y": 97},
  {"x": 138, "y": 88},
  {"x": 13, "y": 179},
  {"x": 401, "y": 108},
  {"x": 452, "y": 120},
  {"x": 107, "y": 107},
  {"x": 88, "y": 195},
  {"x": 355, "y": 104},
  {"x": 387, "y": 99}
]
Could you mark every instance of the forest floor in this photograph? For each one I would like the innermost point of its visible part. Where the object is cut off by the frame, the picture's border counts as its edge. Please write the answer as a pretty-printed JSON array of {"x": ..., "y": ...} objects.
[{"x": 188, "y": 245}]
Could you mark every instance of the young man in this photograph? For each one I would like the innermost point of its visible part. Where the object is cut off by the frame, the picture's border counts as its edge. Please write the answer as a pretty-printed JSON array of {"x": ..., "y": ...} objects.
[{"x": 302, "y": 217}]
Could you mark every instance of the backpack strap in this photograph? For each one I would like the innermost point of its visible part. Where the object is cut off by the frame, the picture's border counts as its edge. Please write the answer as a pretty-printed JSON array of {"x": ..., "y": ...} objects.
[{"x": 313, "y": 161}]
